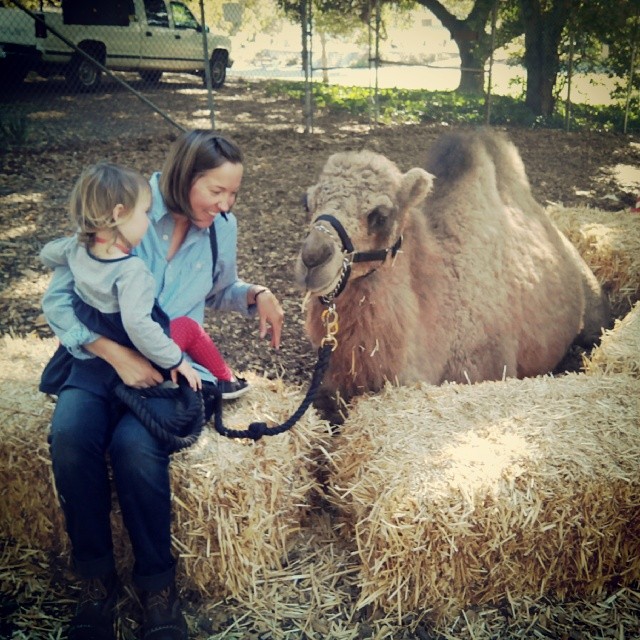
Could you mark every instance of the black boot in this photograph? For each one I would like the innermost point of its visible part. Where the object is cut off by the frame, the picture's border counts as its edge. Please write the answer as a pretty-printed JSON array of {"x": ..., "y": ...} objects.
[
  {"x": 95, "y": 615},
  {"x": 163, "y": 619}
]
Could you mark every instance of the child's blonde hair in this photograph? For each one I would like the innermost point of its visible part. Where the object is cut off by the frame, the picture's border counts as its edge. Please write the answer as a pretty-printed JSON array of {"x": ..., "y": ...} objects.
[{"x": 98, "y": 190}]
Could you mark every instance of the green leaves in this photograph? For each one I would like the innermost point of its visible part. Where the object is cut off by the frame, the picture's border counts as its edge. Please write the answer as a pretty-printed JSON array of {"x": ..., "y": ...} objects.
[{"x": 404, "y": 106}]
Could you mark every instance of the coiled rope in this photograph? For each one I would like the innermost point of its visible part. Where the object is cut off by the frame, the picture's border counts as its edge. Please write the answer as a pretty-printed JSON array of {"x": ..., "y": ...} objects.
[
  {"x": 178, "y": 430},
  {"x": 183, "y": 428}
]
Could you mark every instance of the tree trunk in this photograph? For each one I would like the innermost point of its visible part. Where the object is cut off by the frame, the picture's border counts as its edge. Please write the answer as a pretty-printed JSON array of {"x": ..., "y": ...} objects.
[
  {"x": 471, "y": 71},
  {"x": 543, "y": 32},
  {"x": 540, "y": 83},
  {"x": 471, "y": 38}
]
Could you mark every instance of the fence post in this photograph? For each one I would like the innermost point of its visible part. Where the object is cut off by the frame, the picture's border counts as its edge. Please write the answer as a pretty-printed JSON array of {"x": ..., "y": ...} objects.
[
  {"x": 305, "y": 19},
  {"x": 376, "y": 101},
  {"x": 632, "y": 69},
  {"x": 207, "y": 66}
]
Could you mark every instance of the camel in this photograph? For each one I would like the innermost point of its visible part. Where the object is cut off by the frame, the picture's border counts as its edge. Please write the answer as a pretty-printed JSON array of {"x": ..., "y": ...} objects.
[{"x": 452, "y": 272}]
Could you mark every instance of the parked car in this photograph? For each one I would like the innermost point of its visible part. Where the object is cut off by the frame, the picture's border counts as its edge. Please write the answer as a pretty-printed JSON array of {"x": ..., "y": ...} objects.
[{"x": 147, "y": 36}]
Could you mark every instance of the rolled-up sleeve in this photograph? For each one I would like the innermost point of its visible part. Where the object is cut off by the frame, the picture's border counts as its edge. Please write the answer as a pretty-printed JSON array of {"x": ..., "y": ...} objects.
[{"x": 54, "y": 253}]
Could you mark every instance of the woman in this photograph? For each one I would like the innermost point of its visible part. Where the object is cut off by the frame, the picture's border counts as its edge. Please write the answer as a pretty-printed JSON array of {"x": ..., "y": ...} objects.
[{"x": 191, "y": 199}]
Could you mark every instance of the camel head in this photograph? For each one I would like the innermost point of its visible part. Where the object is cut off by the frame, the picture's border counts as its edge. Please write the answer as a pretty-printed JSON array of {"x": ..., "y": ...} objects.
[{"x": 358, "y": 211}]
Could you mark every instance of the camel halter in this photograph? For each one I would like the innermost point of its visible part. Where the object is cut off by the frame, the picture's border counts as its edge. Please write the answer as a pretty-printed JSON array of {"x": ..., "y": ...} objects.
[{"x": 350, "y": 255}]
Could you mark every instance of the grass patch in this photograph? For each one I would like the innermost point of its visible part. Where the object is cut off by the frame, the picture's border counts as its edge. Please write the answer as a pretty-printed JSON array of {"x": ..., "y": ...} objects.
[{"x": 404, "y": 106}]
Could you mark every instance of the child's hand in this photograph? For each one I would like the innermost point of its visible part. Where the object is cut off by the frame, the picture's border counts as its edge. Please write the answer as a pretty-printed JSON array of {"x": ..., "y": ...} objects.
[{"x": 189, "y": 373}]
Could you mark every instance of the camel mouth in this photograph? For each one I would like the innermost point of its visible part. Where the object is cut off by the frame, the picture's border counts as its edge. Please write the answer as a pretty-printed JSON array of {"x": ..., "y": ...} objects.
[{"x": 320, "y": 280}]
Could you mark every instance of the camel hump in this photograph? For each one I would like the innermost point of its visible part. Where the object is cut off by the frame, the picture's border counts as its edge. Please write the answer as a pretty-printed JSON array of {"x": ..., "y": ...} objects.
[
  {"x": 451, "y": 156},
  {"x": 454, "y": 155}
]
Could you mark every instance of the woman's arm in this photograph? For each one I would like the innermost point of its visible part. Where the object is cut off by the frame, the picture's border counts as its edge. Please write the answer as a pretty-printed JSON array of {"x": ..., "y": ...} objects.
[
  {"x": 231, "y": 293},
  {"x": 132, "y": 367},
  {"x": 270, "y": 313}
]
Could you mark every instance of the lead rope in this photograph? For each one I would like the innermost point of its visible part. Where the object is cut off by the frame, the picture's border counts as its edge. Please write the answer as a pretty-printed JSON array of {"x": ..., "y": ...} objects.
[
  {"x": 179, "y": 430},
  {"x": 256, "y": 430},
  {"x": 183, "y": 428}
]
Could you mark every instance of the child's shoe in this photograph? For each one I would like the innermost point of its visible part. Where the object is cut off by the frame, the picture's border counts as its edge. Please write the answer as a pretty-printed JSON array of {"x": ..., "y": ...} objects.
[{"x": 234, "y": 388}]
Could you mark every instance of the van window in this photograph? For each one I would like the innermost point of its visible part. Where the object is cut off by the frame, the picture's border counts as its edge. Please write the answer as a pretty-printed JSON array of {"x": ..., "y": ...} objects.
[
  {"x": 156, "y": 12},
  {"x": 182, "y": 17}
]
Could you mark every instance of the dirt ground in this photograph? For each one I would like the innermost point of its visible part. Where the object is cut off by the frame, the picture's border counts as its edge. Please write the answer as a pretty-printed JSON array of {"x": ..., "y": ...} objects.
[{"x": 67, "y": 131}]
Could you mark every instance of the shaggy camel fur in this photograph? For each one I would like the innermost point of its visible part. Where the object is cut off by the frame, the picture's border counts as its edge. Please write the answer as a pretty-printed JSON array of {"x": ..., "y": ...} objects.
[{"x": 484, "y": 286}]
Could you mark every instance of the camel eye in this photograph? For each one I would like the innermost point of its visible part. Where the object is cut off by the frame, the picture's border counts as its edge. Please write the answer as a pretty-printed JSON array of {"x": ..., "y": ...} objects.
[
  {"x": 377, "y": 220},
  {"x": 304, "y": 201}
]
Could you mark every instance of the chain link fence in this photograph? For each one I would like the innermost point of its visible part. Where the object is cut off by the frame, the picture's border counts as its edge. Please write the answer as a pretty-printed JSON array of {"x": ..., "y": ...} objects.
[
  {"x": 85, "y": 46},
  {"x": 169, "y": 58}
]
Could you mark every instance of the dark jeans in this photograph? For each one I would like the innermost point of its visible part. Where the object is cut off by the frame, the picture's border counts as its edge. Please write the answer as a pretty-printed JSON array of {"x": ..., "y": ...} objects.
[{"x": 85, "y": 429}]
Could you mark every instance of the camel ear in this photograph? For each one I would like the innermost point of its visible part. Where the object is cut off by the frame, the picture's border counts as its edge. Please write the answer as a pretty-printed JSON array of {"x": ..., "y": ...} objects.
[
  {"x": 414, "y": 187},
  {"x": 309, "y": 201}
]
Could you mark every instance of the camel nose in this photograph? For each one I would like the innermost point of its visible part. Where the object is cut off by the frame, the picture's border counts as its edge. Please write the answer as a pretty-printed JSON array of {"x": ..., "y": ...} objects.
[{"x": 317, "y": 249}]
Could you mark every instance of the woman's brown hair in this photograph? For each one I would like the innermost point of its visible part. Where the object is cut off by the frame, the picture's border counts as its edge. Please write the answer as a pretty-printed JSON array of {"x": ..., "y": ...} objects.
[{"x": 192, "y": 154}]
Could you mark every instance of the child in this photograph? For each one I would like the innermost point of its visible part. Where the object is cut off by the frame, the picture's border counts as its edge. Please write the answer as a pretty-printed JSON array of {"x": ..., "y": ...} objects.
[{"x": 109, "y": 205}]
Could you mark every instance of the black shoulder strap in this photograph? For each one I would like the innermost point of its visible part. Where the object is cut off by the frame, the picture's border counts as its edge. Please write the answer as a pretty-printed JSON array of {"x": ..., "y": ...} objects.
[
  {"x": 213, "y": 241},
  {"x": 214, "y": 248}
]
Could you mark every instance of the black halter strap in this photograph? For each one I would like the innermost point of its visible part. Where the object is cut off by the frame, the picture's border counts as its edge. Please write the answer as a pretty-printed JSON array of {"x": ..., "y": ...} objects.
[
  {"x": 347, "y": 245},
  {"x": 381, "y": 254},
  {"x": 351, "y": 256}
]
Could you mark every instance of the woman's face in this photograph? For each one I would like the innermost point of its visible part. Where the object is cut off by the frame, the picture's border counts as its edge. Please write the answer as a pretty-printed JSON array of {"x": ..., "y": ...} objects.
[{"x": 214, "y": 192}]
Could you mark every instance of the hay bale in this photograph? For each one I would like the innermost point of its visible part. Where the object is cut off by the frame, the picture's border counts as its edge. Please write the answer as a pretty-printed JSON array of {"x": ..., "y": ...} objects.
[
  {"x": 609, "y": 242},
  {"x": 240, "y": 503},
  {"x": 29, "y": 510},
  {"x": 237, "y": 504},
  {"x": 619, "y": 348},
  {"x": 462, "y": 496}
]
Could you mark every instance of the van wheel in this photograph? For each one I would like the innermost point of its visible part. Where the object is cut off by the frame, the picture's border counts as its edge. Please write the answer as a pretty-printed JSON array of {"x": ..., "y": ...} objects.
[
  {"x": 218, "y": 66},
  {"x": 150, "y": 77},
  {"x": 83, "y": 75}
]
